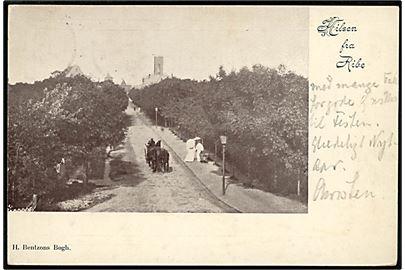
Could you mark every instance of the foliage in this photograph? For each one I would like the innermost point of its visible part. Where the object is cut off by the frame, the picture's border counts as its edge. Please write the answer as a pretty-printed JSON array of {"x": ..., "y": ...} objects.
[
  {"x": 69, "y": 118},
  {"x": 263, "y": 111}
]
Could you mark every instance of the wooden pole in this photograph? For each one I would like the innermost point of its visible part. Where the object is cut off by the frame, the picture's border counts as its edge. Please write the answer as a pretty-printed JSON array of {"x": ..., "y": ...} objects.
[{"x": 299, "y": 184}]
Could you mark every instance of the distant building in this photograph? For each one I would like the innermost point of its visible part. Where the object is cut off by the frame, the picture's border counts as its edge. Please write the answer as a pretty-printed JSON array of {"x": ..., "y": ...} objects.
[
  {"x": 56, "y": 73},
  {"x": 69, "y": 72},
  {"x": 72, "y": 71},
  {"x": 157, "y": 75},
  {"x": 158, "y": 65},
  {"x": 108, "y": 77},
  {"x": 125, "y": 86}
]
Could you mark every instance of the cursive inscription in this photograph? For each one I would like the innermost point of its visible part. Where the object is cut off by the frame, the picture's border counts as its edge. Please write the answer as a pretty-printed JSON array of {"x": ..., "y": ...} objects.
[
  {"x": 350, "y": 193},
  {"x": 348, "y": 136},
  {"x": 333, "y": 26},
  {"x": 344, "y": 120},
  {"x": 319, "y": 142},
  {"x": 390, "y": 78},
  {"x": 320, "y": 166},
  {"x": 347, "y": 61}
]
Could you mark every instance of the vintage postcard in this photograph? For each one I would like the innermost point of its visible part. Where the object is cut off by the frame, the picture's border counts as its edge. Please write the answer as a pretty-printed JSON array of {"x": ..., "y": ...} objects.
[{"x": 202, "y": 135}]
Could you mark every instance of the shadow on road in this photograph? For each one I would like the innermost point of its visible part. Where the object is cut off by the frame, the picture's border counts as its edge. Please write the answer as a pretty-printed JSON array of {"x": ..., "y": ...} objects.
[
  {"x": 125, "y": 173},
  {"x": 124, "y": 170},
  {"x": 121, "y": 168}
]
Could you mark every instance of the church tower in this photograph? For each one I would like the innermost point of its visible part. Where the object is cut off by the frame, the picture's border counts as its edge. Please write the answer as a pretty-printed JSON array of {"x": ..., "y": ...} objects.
[{"x": 158, "y": 65}]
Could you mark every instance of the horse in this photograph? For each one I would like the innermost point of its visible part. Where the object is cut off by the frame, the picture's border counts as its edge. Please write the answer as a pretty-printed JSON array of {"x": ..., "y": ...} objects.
[
  {"x": 163, "y": 157},
  {"x": 149, "y": 154},
  {"x": 159, "y": 159}
]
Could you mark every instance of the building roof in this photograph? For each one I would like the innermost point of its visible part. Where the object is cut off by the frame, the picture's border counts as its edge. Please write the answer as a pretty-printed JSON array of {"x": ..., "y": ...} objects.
[{"x": 108, "y": 77}]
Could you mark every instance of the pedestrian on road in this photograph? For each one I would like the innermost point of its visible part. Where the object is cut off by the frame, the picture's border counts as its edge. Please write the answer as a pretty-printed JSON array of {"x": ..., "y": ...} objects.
[
  {"x": 190, "y": 146},
  {"x": 199, "y": 148}
]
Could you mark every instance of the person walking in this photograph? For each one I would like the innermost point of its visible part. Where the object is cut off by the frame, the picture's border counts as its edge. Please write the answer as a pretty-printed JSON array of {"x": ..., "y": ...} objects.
[
  {"x": 190, "y": 147},
  {"x": 199, "y": 148}
]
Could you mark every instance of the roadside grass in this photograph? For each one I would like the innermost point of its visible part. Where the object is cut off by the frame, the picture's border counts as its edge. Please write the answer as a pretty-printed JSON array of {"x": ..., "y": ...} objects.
[
  {"x": 85, "y": 201},
  {"x": 64, "y": 193}
]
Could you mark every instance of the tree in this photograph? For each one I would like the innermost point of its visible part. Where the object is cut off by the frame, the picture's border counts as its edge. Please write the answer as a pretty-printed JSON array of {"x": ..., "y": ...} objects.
[
  {"x": 262, "y": 109},
  {"x": 70, "y": 117},
  {"x": 221, "y": 73}
]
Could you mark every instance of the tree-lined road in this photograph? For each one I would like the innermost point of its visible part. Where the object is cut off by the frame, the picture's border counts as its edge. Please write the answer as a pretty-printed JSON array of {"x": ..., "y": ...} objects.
[{"x": 176, "y": 191}]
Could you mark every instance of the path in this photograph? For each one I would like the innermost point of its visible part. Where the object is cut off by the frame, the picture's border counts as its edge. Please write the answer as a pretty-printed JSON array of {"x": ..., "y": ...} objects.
[
  {"x": 192, "y": 187},
  {"x": 247, "y": 200},
  {"x": 146, "y": 191}
]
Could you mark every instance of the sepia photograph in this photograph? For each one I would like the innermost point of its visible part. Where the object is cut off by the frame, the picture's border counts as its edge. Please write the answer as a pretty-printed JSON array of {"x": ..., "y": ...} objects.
[
  {"x": 157, "y": 109},
  {"x": 144, "y": 134}
]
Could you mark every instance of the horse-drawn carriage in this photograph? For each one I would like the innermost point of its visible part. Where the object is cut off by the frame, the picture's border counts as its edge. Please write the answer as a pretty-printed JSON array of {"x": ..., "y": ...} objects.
[{"x": 157, "y": 157}]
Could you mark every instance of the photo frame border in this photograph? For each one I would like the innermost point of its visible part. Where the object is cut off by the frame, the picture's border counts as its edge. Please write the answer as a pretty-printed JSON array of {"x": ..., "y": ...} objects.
[{"x": 6, "y": 4}]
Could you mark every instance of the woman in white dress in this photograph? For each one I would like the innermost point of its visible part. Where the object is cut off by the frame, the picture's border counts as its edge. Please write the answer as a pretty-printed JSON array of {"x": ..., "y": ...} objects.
[
  {"x": 199, "y": 148},
  {"x": 190, "y": 145}
]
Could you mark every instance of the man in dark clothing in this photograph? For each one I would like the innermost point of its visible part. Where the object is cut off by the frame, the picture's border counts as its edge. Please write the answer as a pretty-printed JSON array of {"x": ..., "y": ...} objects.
[{"x": 151, "y": 143}]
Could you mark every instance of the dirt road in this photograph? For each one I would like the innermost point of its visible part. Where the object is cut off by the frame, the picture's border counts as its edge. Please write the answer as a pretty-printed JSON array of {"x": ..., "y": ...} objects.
[{"x": 146, "y": 191}]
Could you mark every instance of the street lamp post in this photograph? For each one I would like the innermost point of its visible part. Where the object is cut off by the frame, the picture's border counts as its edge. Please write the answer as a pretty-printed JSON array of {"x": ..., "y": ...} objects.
[
  {"x": 223, "y": 142},
  {"x": 156, "y": 111},
  {"x": 299, "y": 132}
]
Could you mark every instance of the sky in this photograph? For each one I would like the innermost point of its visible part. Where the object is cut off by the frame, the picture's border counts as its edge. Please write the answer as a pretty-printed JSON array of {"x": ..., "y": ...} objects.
[{"x": 122, "y": 40}]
